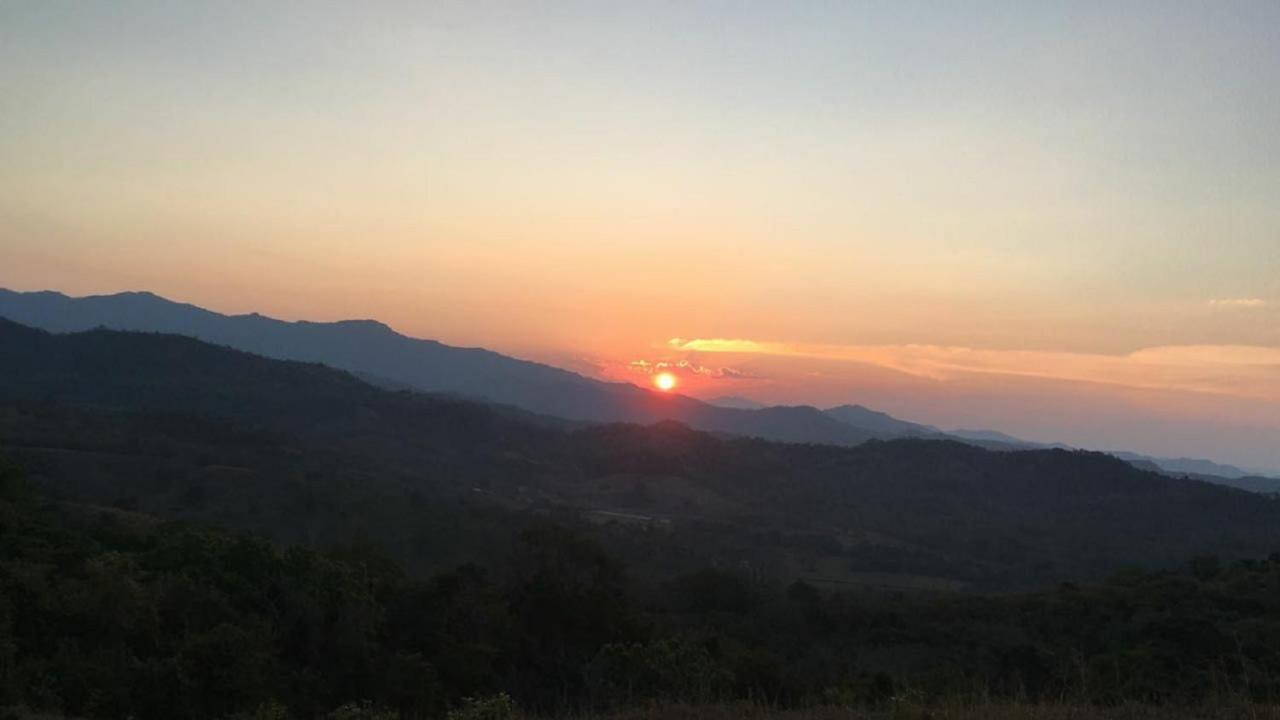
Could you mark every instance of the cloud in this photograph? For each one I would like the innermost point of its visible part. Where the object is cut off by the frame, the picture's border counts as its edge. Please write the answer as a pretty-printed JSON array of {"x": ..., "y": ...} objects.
[
  {"x": 646, "y": 367},
  {"x": 725, "y": 345},
  {"x": 1236, "y": 370},
  {"x": 1248, "y": 303}
]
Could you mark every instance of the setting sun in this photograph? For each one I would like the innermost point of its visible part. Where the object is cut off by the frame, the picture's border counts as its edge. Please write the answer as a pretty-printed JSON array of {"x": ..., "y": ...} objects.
[{"x": 664, "y": 381}]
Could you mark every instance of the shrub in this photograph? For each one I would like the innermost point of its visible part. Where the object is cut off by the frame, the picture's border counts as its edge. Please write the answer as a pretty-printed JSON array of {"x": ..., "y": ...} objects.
[
  {"x": 494, "y": 707},
  {"x": 362, "y": 711}
]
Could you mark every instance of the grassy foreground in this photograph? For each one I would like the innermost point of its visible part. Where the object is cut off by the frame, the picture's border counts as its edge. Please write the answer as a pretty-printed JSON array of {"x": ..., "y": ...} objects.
[
  {"x": 748, "y": 711},
  {"x": 993, "y": 711}
]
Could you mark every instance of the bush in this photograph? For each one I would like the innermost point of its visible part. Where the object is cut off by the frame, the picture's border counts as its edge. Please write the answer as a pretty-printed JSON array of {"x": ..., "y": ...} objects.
[
  {"x": 267, "y": 711},
  {"x": 494, "y": 707},
  {"x": 362, "y": 711},
  {"x": 670, "y": 669}
]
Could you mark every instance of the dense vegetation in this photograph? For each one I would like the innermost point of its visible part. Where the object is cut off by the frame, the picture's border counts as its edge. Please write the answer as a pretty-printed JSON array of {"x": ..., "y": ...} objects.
[
  {"x": 305, "y": 454},
  {"x": 198, "y": 532},
  {"x": 110, "y": 614},
  {"x": 913, "y": 710}
]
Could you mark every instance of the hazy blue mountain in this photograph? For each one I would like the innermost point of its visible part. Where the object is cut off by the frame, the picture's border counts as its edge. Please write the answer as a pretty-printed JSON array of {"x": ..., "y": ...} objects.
[
  {"x": 173, "y": 426},
  {"x": 876, "y": 421},
  {"x": 374, "y": 351},
  {"x": 735, "y": 401},
  {"x": 1188, "y": 466},
  {"x": 1205, "y": 470},
  {"x": 993, "y": 436},
  {"x": 1196, "y": 468},
  {"x": 1252, "y": 483},
  {"x": 364, "y": 346}
]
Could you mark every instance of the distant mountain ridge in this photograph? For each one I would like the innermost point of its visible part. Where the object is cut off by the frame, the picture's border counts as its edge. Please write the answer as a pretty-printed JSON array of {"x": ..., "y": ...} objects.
[
  {"x": 171, "y": 425},
  {"x": 378, "y": 354},
  {"x": 1190, "y": 466},
  {"x": 1195, "y": 468},
  {"x": 875, "y": 420},
  {"x": 373, "y": 350},
  {"x": 735, "y": 401},
  {"x": 993, "y": 436}
]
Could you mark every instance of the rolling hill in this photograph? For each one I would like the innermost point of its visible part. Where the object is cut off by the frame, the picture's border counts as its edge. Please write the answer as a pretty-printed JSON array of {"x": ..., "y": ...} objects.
[
  {"x": 369, "y": 348},
  {"x": 876, "y": 421},
  {"x": 376, "y": 353},
  {"x": 304, "y": 453}
]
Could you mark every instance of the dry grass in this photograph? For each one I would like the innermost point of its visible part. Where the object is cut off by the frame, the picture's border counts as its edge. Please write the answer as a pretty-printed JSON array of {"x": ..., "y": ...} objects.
[{"x": 910, "y": 711}]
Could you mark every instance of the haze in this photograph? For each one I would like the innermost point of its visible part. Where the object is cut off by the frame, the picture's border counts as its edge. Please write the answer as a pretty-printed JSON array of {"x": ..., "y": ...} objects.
[{"x": 1056, "y": 222}]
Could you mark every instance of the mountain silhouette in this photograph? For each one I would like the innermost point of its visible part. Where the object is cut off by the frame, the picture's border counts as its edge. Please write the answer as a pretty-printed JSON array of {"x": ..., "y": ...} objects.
[
  {"x": 181, "y": 428},
  {"x": 735, "y": 401},
  {"x": 377, "y": 353},
  {"x": 876, "y": 421}
]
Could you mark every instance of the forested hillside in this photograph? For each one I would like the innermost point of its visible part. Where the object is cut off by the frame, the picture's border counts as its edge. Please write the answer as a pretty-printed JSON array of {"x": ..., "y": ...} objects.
[
  {"x": 112, "y": 614},
  {"x": 376, "y": 351},
  {"x": 303, "y": 453}
]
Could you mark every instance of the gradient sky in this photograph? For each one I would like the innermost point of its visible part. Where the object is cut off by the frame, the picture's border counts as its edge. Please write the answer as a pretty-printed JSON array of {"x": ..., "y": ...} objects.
[{"x": 1058, "y": 219}]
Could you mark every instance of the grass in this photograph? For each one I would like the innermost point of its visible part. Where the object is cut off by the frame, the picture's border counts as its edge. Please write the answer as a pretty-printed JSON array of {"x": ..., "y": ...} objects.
[
  {"x": 986, "y": 711},
  {"x": 901, "y": 711}
]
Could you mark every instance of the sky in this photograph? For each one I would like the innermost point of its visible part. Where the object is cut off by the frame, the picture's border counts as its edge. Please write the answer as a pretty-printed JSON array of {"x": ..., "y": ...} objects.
[{"x": 1059, "y": 220}]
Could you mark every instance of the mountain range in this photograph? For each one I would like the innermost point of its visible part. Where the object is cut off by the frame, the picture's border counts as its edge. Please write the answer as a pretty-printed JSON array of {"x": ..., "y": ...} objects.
[
  {"x": 374, "y": 352},
  {"x": 175, "y": 427}
]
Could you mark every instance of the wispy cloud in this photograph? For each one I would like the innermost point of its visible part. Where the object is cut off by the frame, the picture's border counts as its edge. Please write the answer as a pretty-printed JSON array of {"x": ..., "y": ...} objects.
[
  {"x": 1238, "y": 370},
  {"x": 646, "y": 367},
  {"x": 1237, "y": 303}
]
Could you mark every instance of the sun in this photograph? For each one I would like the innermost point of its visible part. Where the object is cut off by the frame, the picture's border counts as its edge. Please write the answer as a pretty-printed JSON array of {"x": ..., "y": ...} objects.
[{"x": 666, "y": 382}]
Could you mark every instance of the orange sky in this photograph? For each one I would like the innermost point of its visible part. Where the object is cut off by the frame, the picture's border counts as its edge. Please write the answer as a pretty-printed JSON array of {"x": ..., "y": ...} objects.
[{"x": 1075, "y": 197}]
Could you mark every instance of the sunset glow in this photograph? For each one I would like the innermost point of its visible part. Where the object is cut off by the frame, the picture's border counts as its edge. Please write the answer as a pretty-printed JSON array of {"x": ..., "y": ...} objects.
[
  {"x": 625, "y": 339},
  {"x": 813, "y": 206}
]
